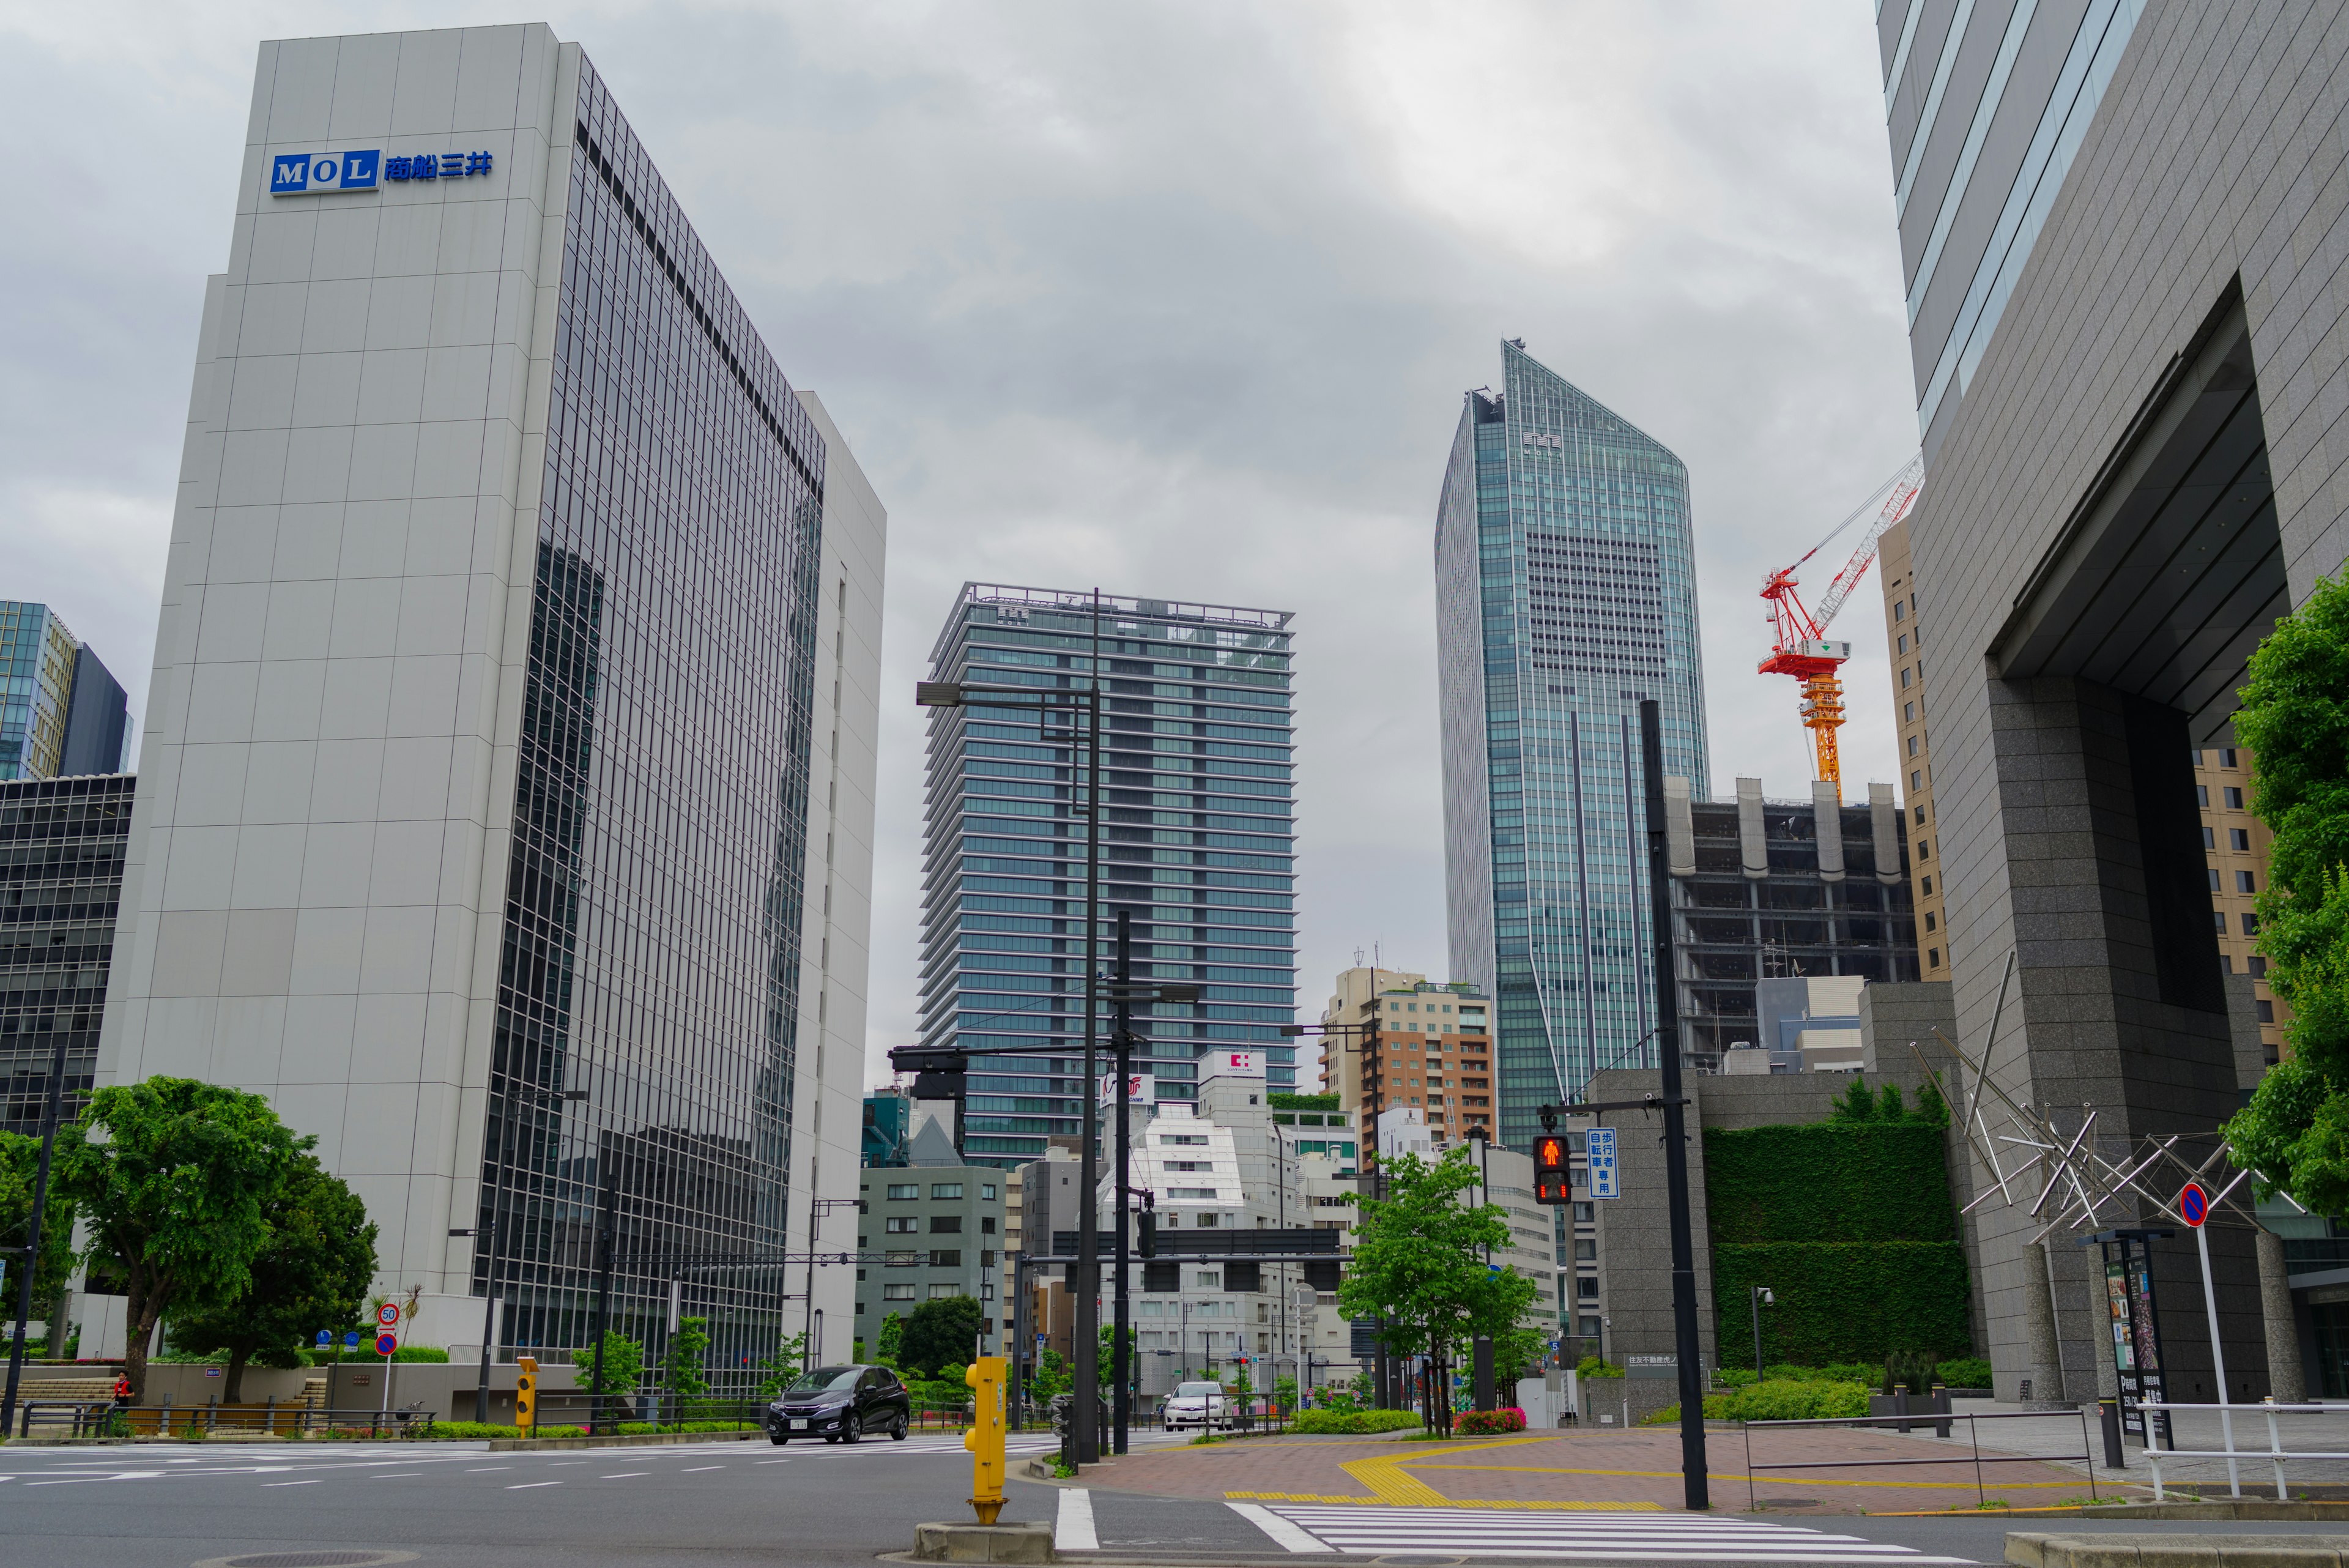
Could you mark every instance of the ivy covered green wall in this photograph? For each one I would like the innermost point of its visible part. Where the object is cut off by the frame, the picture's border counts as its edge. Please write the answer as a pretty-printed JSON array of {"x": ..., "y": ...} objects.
[{"x": 1851, "y": 1227}]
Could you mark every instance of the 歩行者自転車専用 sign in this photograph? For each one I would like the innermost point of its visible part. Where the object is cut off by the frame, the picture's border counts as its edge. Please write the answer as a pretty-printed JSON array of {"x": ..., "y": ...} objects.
[{"x": 367, "y": 169}]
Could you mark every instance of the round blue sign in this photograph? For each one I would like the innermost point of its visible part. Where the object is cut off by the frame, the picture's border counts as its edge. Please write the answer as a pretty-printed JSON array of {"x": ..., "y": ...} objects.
[
  {"x": 326, "y": 1336},
  {"x": 350, "y": 1339},
  {"x": 2194, "y": 1205},
  {"x": 384, "y": 1343}
]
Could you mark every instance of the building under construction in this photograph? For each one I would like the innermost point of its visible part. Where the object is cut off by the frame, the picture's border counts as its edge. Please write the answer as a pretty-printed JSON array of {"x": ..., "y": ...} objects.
[{"x": 1767, "y": 890}]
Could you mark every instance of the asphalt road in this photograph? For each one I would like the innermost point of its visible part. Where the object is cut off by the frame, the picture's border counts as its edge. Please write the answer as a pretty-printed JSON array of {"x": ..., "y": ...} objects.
[{"x": 716, "y": 1505}]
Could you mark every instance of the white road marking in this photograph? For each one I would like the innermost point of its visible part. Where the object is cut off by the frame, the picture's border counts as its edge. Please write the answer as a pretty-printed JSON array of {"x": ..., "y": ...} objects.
[
  {"x": 1073, "y": 1530},
  {"x": 290, "y": 1483},
  {"x": 697, "y": 1470},
  {"x": 1284, "y": 1534},
  {"x": 1580, "y": 1534},
  {"x": 626, "y": 1475},
  {"x": 485, "y": 1470},
  {"x": 526, "y": 1486},
  {"x": 403, "y": 1475},
  {"x": 770, "y": 1461}
]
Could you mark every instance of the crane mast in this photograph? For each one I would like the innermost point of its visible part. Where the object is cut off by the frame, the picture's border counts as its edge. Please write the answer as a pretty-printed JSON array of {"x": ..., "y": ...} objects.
[{"x": 1799, "y": 645}]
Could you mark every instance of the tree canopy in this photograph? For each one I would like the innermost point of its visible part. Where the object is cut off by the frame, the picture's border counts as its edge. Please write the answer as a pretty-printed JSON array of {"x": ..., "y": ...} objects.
[
  {"x": 313, "y": 1273},
  {"x": 174, "y": 1179},
  {"x": 2295, "y": 719},
  {"x": 1419, "y": 1263},
  {"x": 20, "y": 1161},
  {"x": 940, "y": 1333}
]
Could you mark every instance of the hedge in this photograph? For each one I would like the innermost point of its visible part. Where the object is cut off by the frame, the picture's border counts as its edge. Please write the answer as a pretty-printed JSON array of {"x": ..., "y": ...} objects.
[
  {"x": 1778, "y": 1400},
  {"x": 1828, "y": 1182},
  {"x": 1488, "y": 1423},
  {"x": 1353, "y": 1423}
]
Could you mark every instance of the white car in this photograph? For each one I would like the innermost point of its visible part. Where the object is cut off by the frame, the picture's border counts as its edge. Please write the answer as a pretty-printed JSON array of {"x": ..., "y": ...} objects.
[{"x": 1198, "y": 1405}]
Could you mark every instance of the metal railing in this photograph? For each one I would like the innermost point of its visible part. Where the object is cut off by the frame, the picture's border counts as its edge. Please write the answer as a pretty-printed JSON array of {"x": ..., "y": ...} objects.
[
  {"x": 2275, "y": 1454},
  {"x": 104, "y": 1418},
  {"x": 1938, "y": 1420}
]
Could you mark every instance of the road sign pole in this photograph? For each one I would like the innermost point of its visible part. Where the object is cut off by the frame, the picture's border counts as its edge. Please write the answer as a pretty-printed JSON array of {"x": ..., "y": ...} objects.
[{"x": 2194, "y": 1208}]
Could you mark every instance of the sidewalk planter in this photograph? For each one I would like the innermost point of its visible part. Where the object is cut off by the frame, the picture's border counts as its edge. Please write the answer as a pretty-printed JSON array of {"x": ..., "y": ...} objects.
[
  {"x": 1488, "y": 1423},
  {"x": 1906, "y": 1404}
]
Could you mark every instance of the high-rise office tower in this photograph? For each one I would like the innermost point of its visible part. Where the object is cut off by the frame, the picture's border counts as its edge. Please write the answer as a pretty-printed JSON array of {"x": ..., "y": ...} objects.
[
  {"x": 62, "y": 713},
  {"x": 1197, "y": 843},
  {"x": 507, "y": 801},
  {"x": 1565, "y": 593}
]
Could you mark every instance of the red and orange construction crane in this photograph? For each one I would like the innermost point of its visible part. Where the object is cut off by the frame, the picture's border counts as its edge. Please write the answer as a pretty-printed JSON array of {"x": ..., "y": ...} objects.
[{"x": 1798, "y": 641}]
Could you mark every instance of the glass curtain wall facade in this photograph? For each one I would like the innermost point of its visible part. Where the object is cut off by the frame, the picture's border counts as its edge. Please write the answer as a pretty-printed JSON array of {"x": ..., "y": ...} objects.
[
  {"x": 653, "y": 910},
  {"x": 1986, "y": 103},
  {"x": 36, "y": 675},
  {"x": 1565, "y": 593},
  {"x": 61, "y": 853},
  {"x": 1198, "y": 843}
]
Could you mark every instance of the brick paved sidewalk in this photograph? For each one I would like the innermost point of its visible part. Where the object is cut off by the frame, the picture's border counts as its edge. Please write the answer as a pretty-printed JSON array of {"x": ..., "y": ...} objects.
[{"x": 1636, "y": 1469}]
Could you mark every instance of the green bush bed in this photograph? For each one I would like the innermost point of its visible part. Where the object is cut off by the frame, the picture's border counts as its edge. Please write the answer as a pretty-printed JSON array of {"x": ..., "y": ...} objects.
[
  {"x": 1353, "y": 1423},
  {"x": 1779, "y": 1399}
]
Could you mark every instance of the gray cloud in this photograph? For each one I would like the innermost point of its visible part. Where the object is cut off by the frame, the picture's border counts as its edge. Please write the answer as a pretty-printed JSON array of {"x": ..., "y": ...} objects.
[{"x": 1171, "y": 298}]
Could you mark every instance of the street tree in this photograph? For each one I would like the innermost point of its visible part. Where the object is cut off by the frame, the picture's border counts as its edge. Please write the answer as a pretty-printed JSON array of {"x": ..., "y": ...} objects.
[
  {"x": 624, "y": 1365},
  {"x": 783, "y": 1365},
  {"x": 313, "y": 1273},
  {"x": 940, "y": 1333},
  {"x": 682, "y": 1369},
  {"x": 2295, "y": 719},
  {"x": 173, "y": 1179},
  {"x": 1420, "y": 1264}
]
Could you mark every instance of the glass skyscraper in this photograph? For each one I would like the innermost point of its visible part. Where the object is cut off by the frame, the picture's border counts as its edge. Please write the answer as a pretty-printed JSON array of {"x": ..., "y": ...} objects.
[
  {"x": 1565, "y": 593},
  {"x": 62, "y": 713},
  {"x": 1196, "y": 834},
  {"x": 506, "y": 819}
]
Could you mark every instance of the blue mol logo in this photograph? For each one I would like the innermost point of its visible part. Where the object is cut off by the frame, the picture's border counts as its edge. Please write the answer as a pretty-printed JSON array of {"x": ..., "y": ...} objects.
[{"x": 310, "y": 173}]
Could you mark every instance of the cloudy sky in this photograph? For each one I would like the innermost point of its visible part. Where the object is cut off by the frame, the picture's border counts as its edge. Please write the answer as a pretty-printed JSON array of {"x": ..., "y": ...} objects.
[{"x": 1176, "y": 299}]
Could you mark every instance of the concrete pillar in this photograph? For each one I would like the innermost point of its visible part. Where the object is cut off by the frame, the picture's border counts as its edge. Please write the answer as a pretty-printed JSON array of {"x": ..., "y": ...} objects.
[
  {"x": 2287, "y": 1381},
  {"x": 2046, "y": 1362}
]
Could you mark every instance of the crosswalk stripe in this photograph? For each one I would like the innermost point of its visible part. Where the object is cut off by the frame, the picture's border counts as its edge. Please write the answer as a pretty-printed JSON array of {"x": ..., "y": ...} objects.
[
  {"x": 1659, "y": 1537},
  {"x": 1073, "y": 1530}
]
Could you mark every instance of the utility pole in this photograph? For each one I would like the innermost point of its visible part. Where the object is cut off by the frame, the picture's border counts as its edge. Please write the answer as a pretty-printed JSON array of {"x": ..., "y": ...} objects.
[
  {"x": 1120, "y": 1369},
  {"x": 50, "y": 1110},
  {"x": 1694, "y": 1485},
  {"x": 1086, "y": 1351}
]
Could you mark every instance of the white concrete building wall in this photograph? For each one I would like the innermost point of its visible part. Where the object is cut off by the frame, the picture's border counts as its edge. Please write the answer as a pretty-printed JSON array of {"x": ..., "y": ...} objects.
[{"x": 828, "y": 1103}]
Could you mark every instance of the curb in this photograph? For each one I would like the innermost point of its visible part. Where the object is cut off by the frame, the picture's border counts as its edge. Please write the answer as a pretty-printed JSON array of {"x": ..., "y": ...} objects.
[
  {"x": 632, "y": 1440},
  {"x": 2031, "y": 1550}
]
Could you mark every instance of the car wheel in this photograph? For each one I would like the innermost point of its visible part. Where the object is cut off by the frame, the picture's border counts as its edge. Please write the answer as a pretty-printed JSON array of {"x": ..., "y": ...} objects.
[
  {"x": 777, "y": 1441},
  {"x": 834, "y": 1437},
  {"x": 852, "y": 1427},
  {"x": 897, "y": 1432}
]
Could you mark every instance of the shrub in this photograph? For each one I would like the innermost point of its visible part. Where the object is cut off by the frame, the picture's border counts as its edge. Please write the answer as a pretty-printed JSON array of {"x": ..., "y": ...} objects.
[
  {"x": 1787, "y": 1399},
  {"x": 1489, "y": 1423},
  {"x": 1353, "y": 1423},
  {"x": 1966, "y": 1371},
  {"x": 1592, "y": 1367}
]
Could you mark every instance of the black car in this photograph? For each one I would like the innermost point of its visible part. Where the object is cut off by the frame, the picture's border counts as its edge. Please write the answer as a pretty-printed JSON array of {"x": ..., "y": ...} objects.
[{"x": 840, "y": 1404}]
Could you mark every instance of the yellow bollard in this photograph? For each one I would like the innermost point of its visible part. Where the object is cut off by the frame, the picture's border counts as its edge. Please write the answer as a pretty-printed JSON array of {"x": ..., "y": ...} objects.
[{"x": 985, "y": 1438}]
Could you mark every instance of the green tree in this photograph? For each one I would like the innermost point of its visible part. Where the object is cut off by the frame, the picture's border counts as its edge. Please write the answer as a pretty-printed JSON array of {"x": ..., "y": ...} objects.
[
  {"x": 1108, "y": 1372},
  {"x": 684, "y": 1377},
  {"x": 783, "y": 1365},
  {"x": 1419, "y": 1262},
  {"x": 1284, "y": 1392},
  {"x": 2295, "y": 719},
  {"x": 313, "y": 1273},
  {"x": 173, "y": 1179},
  {"x": 1856, "y": 1103},
  {"x": 1050, "y": 1378},
  {"x": 20, "y": 1167},
  {"x": 891, "y": 1350},
  {"x": 941, "y": 1332},
  {"x": 624, "y": 1365}
]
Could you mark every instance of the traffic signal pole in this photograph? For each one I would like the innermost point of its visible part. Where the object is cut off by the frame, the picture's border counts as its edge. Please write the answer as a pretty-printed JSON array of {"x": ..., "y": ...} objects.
[
  {"x": 1696, "y": 1488},
  {"x": 1121, "y": 1368},
  {"x": 1083, "y": 1428}
]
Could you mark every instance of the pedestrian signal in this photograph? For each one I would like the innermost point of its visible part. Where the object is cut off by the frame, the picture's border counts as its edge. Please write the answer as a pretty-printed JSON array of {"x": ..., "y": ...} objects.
[{"x": 1551, "y": 1177}]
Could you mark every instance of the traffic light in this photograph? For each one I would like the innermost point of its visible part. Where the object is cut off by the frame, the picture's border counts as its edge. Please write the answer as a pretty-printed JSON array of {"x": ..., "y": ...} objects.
[
  {"x": 525, "y": 1393},
  {"x": 1146, "y": 1234},
  {"x": 1551, "y": 1177},
  {"x": 937, "y": 1074}
]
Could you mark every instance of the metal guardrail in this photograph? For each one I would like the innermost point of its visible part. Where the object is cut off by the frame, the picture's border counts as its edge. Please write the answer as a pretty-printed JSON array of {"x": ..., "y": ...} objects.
[
  {"x": 103, "y": 1417},
  {"x": 2273, "y": 1454},
  {"x": 1934, "y": 1418}
]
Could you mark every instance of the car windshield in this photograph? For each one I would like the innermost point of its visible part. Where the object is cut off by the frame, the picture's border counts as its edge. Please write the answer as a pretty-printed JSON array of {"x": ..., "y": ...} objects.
[
  {"x": 823, "y": 1378},
  {"x": 1196, "y": 1390}
]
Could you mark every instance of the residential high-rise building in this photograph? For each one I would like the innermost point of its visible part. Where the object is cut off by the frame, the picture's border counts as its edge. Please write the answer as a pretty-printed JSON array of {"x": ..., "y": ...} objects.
[
  {"x": 1897, "y": 577},
  {"x": 1565, "y": 593},
  {"x": 1196, "y": 835},
  {"x": 1987, "y": 104},
  {"x": 506, "y": 812},
  {"x": 62, "y": 713},
  {"x": 1432, "y": 1051},
  {"x": 2236, "y": 843}
]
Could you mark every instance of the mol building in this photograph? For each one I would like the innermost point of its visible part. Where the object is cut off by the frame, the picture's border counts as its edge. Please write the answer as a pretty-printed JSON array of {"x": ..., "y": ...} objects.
[{"x": 505, "y": 802}]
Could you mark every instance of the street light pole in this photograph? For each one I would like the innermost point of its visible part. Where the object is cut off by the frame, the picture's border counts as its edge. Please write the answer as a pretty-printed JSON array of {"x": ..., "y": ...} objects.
[
  {"x": 607, "y": 1226},
  {"x": 1695, "y": 1489},
  {"x": 1083, "y": 1426},
  {"x": 1759, "y": 1294},
  {"x": 1120, "y": 1370}
]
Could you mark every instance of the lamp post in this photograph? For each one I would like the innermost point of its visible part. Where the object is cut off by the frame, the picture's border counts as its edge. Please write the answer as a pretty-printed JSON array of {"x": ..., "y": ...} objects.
[
  {"x": 817, "y": 1208},
  {"x": 50, "y": 1109},
  {"x": 1761, "y": 1297},
  {"x": 1085, "y": 1273}
]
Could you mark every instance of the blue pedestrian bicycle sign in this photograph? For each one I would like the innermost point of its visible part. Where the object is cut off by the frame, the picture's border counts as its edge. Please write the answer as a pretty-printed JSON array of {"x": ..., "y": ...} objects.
[{"x": 1598, "y": 1147}]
